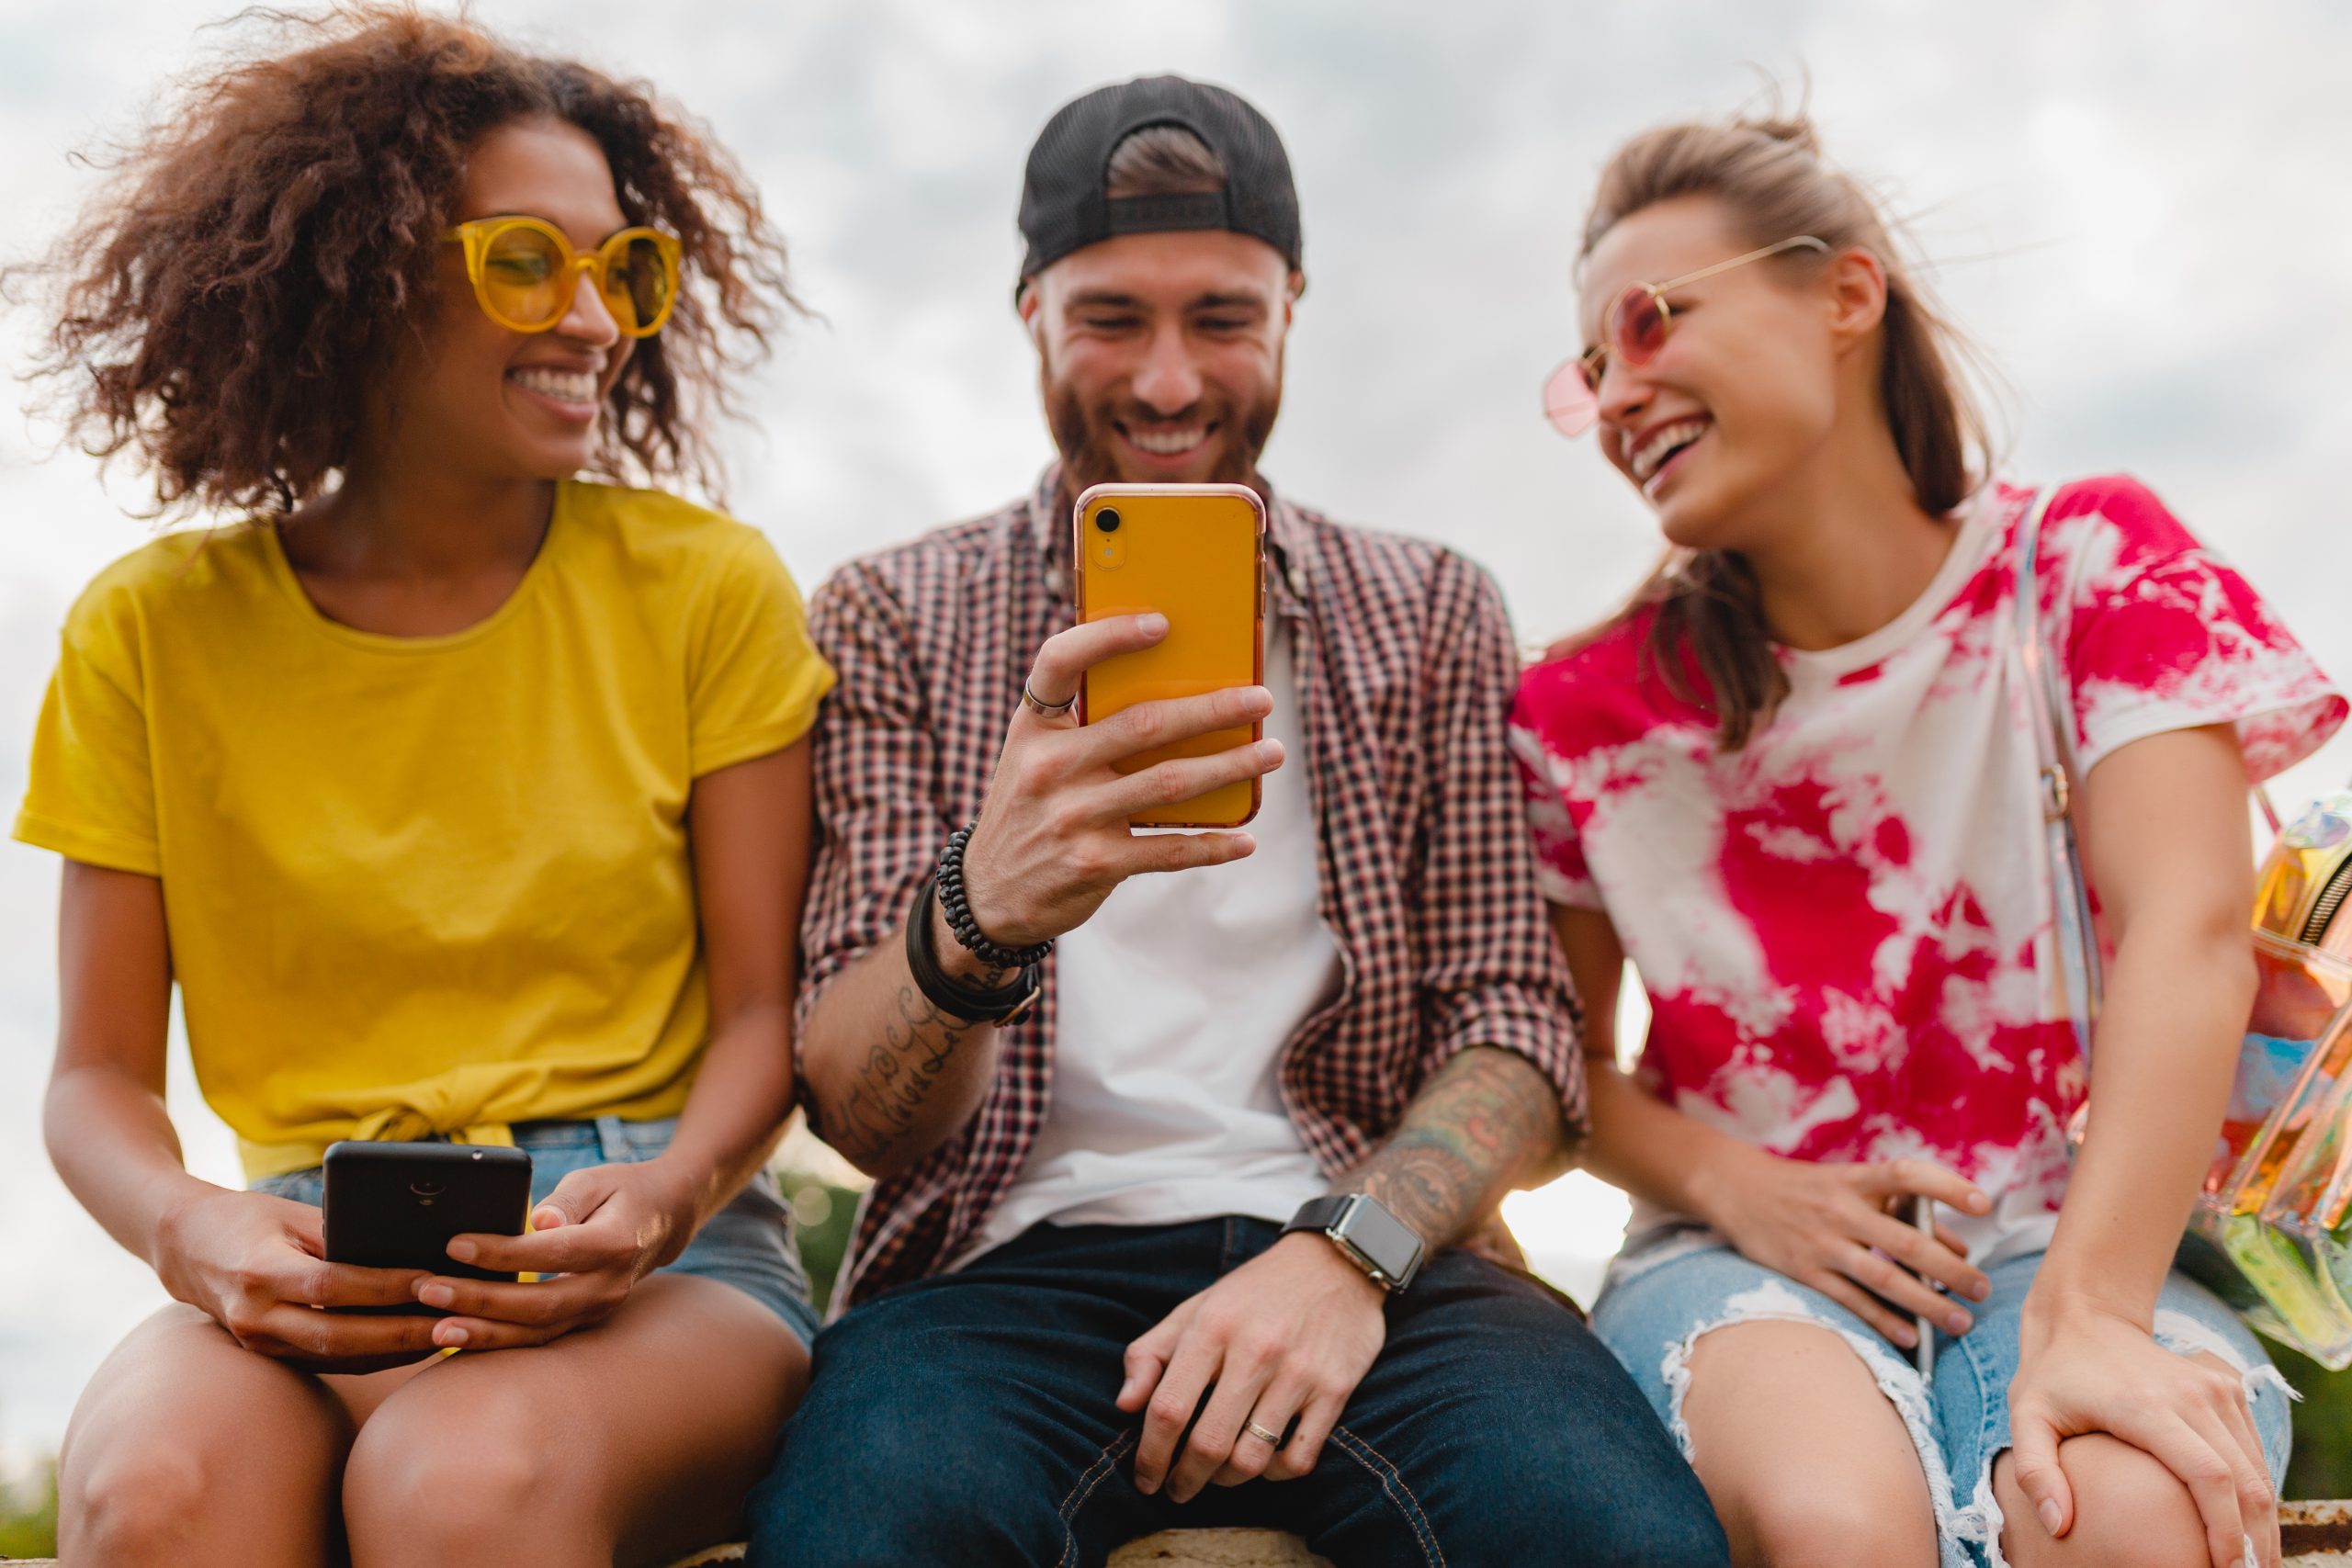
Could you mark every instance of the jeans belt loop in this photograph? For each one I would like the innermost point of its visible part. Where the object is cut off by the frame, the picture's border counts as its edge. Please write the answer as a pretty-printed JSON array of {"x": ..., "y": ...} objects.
[{"x": 611, "y": 1140}]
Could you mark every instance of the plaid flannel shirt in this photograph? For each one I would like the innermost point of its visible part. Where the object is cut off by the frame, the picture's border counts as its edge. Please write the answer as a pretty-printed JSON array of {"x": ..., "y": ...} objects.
[{"x": 1406, "y": 668}]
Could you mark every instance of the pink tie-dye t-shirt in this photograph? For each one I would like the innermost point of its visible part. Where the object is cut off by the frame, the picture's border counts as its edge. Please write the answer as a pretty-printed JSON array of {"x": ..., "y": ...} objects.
[{"x": 1843, "y": 926}]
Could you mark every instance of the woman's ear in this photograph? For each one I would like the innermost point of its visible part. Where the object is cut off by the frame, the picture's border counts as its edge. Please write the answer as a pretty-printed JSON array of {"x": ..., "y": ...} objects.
[{"x": 1857, "y": 285}]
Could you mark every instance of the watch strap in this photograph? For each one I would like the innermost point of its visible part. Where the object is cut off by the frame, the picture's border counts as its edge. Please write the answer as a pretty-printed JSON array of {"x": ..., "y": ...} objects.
[{"x": 1319, "y": 1214}]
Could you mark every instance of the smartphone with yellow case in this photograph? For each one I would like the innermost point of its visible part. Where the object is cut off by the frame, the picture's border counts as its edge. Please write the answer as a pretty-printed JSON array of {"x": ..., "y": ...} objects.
[{"x": 1196, "y": 554}]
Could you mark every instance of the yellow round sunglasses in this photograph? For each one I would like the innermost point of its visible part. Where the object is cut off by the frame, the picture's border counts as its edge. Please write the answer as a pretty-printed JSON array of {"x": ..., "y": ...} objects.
[{"x": 525, "y": 273}]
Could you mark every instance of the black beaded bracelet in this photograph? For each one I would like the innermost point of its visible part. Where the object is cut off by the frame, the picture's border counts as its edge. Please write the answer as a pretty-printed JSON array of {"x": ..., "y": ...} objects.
[
  {"x": 958, "y": 910},
  {"x": 1000, "y": 1005}
]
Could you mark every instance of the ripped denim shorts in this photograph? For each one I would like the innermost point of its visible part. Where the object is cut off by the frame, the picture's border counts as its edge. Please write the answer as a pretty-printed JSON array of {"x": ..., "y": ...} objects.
[
  {"x": 1674, "y": 1285},
  {"x": 747, "y": 1245}
]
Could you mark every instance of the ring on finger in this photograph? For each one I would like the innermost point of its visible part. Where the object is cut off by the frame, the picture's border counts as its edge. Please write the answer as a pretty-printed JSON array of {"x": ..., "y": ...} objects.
[
  {"x": 1272, "y": 1439},
  {"x": 1032, "y": 700}
]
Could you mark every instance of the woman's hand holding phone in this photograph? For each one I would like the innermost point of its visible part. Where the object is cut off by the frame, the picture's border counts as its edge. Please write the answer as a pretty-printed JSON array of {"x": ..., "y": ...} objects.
[
  {"x": 593, "y": 1238},
  {"x": 1828, "y": 1226},
  {"x": 1053, "y": 839},
  {"x": 257, "y": 1265}
]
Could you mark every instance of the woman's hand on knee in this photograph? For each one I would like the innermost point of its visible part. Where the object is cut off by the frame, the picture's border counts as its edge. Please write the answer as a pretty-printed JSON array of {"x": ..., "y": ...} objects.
[
  {"x": 1833, "y": 1227},
  {"x": 2086, "y": 1370},
  {"x": 599, "y": 1233},
  {"x": 257, "y": 1265}
]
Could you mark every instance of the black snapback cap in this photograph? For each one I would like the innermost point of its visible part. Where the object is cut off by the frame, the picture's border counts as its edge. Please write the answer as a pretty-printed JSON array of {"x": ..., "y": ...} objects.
[{"x": 1063, "y": 207}]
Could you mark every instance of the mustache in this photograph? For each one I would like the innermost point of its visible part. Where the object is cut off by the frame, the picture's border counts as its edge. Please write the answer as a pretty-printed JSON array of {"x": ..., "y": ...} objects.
[
  {"x": 1093, "y": 452},
  {"x": 1202, "y": 411}
]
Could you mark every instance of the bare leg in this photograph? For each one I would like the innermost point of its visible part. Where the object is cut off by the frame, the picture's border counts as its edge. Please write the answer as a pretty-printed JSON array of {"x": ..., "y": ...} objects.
[
  {"x": 1805, "y": 1460},
  {"x": 2130, "y": 1511},
  {"x": 189, "y": 1450},
  {"x": 633, "y": 1441}
]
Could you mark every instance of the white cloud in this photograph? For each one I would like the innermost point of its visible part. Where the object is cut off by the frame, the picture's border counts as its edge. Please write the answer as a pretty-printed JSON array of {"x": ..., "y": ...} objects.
[{"x": 2156, "y": 193}]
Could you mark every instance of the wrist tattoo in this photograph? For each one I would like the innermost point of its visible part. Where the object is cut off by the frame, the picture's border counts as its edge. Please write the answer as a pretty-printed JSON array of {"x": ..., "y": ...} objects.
[{"x": 985, "y": 974}]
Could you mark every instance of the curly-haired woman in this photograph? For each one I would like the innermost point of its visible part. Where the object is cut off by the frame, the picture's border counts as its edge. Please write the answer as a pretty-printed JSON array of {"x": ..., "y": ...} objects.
[{"x": 464, "y": 798}]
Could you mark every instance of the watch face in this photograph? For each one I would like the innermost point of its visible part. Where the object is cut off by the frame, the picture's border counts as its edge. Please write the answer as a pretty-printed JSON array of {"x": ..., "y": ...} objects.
[{"x": 1392, "y": 1245}]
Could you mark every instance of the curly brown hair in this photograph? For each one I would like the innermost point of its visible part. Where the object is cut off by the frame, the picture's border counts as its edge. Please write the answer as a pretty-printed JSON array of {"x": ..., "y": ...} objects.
[{"x": 262, "y": 246}]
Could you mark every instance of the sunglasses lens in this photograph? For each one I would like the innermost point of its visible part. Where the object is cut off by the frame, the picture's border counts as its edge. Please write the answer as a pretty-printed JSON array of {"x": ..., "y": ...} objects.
[
  {"x": 523, "y": 277},
  {"x": 1569, "y": 400},
  {"x": 1637, "y": 326},
  {"x": 639, "y": 283}
]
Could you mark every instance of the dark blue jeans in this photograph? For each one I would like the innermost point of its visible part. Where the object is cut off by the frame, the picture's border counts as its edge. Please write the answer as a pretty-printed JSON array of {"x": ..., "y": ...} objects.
[{"x": 967, "y": 1420}]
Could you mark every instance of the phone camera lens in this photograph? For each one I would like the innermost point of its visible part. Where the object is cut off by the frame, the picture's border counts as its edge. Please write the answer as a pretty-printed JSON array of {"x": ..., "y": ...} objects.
[
  {"x": 425, "y": 1188},
  {"x": 1107, "y": 521}
]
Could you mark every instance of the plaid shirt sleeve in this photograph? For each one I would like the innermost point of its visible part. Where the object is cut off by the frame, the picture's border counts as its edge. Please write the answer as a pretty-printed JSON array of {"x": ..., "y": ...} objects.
[
  {"x": 1491, "y": 973},
  {"x": 878, "y": 825}
]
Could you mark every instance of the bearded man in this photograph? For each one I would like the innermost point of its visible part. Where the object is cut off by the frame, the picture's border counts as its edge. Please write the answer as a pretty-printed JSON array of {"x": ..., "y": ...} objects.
[{"x": 1168, "y": 1221}]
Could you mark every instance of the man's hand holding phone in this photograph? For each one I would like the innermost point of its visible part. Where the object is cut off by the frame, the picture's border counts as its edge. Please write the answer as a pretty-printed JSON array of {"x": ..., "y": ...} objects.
[
  {"x": 257, "y": 1265},
  {"x": 601, "y": 1230},
  {"x": 1053, "y": 839}
]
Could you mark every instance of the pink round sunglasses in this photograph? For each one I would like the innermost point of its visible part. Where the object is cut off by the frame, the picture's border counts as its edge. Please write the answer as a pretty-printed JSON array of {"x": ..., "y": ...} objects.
[{"x": 1635, "y": 328}]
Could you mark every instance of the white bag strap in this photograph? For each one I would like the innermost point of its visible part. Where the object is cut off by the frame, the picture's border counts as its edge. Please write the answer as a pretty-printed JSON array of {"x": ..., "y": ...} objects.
[{"x": 2074, "y": 936}]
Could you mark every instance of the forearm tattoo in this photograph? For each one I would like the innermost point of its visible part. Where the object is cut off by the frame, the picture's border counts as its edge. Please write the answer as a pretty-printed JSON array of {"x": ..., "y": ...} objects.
[
  {"x": 1485, "y": 1118},
  {"x": 888, "y": 1088}
]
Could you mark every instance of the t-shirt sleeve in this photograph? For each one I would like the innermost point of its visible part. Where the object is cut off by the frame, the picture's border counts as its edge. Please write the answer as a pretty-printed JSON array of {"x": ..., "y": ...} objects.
[
  {"x": 754, "y": 678},
  {"x": 2162, "y": 635},
  {"x": 92, "y": 794},
  {"x": 1560, "y": 869}
]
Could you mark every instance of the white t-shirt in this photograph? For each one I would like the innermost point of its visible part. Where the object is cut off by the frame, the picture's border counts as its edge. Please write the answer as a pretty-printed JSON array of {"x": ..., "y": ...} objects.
[
  {"x": 1174, "y": 1004},
  {"x": 1844, "y": 927}
]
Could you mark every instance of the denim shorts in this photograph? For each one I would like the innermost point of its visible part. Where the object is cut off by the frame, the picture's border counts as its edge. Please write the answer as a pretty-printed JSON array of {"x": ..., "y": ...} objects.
[
  {"x": 747, "y": 1245},
  {"x": 1673, "y": 1286}
]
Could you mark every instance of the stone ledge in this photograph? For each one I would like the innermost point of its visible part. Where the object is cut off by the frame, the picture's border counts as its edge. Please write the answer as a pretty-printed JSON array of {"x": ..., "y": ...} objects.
[
  {"x": 2318, "y": 1535},
  {"x": 1216, "y": 1548}
]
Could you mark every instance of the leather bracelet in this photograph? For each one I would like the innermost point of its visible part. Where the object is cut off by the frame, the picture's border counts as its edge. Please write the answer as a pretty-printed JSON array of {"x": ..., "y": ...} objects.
[
  {"x": 974, "y": 1004},
  {"x": 959, "y": 910}
]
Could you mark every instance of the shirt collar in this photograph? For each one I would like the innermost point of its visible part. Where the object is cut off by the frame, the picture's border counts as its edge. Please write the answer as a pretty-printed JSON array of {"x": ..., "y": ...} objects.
[{"x": 1288, "y": 544}]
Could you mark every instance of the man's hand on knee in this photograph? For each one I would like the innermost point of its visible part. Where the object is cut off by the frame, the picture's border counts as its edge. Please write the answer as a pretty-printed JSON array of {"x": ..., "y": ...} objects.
[{"x": 1284, "y": 1337}]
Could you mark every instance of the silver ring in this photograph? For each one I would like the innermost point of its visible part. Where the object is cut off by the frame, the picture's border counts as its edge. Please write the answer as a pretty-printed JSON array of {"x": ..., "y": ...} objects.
[
  {"x": 1030, "y": 699},
  {"x": 1272, "y": 1439}
]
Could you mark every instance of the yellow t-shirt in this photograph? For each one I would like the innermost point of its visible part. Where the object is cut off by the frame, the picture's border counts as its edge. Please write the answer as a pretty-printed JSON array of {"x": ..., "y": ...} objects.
[{"x": 425, "y": 884}]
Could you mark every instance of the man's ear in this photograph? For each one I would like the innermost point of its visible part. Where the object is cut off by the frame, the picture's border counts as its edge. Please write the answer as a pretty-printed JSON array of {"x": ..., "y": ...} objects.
[{"x": 1031, "y": 303}]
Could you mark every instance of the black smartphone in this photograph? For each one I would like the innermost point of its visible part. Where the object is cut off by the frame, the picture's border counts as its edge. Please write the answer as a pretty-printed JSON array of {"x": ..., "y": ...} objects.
[{"x": 397, "y": 1206}]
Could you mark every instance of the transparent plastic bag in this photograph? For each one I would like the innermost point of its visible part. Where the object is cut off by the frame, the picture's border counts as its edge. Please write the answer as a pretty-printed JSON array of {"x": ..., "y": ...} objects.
[
  {"x": 2263, "y": 1233},
  {"x": 2272, "y": 1228}
]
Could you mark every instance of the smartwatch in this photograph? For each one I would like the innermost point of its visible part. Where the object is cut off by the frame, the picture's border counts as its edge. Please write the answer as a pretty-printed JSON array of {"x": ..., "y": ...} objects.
[{"x": 1386, "y": 1248}]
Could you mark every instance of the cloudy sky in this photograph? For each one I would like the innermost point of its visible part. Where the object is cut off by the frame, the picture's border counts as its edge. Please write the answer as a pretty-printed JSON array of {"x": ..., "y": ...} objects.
[{"x": 2138, "y": 210}]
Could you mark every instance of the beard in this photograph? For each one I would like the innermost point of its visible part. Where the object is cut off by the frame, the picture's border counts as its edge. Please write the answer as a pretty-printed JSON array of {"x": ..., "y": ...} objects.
[{"x": 1090, "y": 443}]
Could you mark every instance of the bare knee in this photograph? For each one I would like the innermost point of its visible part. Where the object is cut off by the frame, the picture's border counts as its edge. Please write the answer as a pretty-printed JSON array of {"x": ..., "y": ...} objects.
[
  {"x": 2130, "y": 1512},
  {"x": 185, "y": 1449},
  {"x": 434, "y": 1480},
  {"x": 137, "y": 1501},
  {"x": 1816, "y": 1521},
  {"x": 1803, "y": 1456}
]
